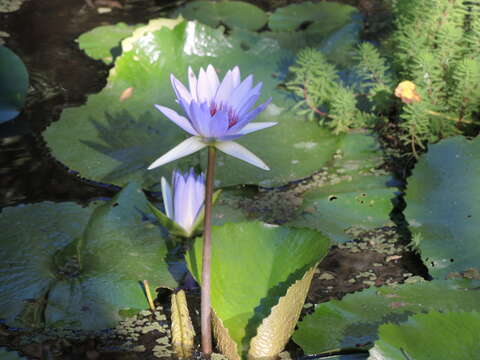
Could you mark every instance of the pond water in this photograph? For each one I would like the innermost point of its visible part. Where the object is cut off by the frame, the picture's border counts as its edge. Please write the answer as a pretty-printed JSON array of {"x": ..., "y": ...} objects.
[{"x": 42, "y": 33}]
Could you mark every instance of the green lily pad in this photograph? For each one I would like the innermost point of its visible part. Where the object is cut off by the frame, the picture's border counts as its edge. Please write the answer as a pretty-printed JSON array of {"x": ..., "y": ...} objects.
[
  {"x": 275, "y": 257},
  {"x": 114, "y": 141},
  {"x": 440, "y": 336},
  {"x": 352, "y": 194},
  {"x": 79, "y": 267},
  {"x": 103, "y": 42},
  {"x": 443, "y": 208},
  {"x": 13, "y": 84},
  {"x": 354, "y": 320},
  {"x": 234, "y": 14},
  {"x": 319, "y": 18}
]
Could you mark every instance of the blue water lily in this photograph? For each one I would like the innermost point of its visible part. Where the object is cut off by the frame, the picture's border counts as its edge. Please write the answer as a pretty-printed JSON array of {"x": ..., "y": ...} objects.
[
  {"x": 216, "y": 113},
  {"x": 183, "y": 202}
]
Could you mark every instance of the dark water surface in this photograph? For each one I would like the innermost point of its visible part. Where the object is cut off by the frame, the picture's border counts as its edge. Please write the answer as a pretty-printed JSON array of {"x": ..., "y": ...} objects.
[{"x": 42, "y": 34}]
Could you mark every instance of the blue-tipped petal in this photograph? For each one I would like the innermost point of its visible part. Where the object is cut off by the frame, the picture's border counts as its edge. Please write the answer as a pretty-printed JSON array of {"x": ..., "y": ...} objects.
[
  {"x": 185, "y": 148},
  {"x": 250, "y": 116},
  {"x": 177, "y": 119},
  {"x": 238, "y": 151},
  {"x": 240, "y": 92},
  {"x": 218, "y": 124},
  {"x": 200, "y": 118}
]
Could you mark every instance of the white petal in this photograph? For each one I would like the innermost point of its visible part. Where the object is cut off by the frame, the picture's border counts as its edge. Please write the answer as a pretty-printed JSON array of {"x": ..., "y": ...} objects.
[
  {"x": 177, "y": 119},
  {"x": 236, "y": 150},
  {"x": 185, "y": 148},
  {"x": 236, "y": 76},
  {"x": 204, "y": 93},
  {"x": 192, "y": 83},
  {"x": 212, "y": 80},
  {"x": 167, "y": 198},
  {"x": 252, "y": 127},
  {"x": 180, "y": 90}
]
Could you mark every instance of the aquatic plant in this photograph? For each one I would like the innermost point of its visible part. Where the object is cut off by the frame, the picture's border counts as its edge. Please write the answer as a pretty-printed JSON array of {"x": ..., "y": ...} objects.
[{"x": 217, "y": 112}]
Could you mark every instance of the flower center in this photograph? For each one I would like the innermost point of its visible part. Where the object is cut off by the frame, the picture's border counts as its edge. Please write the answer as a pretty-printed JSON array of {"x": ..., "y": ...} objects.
[{"x": 232, "y": 116}]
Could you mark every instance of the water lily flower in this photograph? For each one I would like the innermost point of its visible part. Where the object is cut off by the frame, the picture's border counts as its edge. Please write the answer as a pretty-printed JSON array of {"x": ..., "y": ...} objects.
[
  {"x": 216, "y": 113},
  {"x": 183, "y": 203}
]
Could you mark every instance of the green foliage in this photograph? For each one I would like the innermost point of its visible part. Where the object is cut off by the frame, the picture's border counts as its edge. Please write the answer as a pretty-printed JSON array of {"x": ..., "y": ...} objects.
[
  {"x": 435, "y": 45},
  {"x": 325, "y": 97},
  {"x": 435, "y": 335},
  {"x": 354, "y": 321}
]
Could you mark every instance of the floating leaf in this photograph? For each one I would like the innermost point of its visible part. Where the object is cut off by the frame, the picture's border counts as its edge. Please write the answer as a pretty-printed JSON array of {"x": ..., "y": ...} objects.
[
  {"x": 319, "y": 18},
  {"x": 281, "y": 260},
  {"x": 80, "y": 266},
  {"x": 13, "y": 84},
  {"x": 443, "y": 208},
  {"x": 112, "y": 141},
  {"x": 354, "y": 320},
  {"x": 354, "y": 194},
  {"x": 103, "y": 42},
  {"x": 234, "y": 14},
  {"x": 439, "y": 336}
]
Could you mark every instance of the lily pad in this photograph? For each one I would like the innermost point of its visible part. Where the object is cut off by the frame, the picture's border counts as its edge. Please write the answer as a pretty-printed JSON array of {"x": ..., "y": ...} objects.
[
  {"x": 79, "y": 267},
  {"x": 114, "y": 141},
  {"x": 440, "y": 336},
  {"x": 13, "y": 84},
  {"x": 234, "y": 14},
  {"x": 278, "y": 259},
  {"x": 354, "y": 320},
  {"x": 351, "y": 194},
  {"x": 103, "y": 42},
  {"x": 443, "y": 208},
  {"x": 320, "y": 18}
]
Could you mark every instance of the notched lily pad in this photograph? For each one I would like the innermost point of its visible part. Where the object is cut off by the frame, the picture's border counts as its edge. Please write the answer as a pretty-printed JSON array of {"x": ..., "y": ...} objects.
[
  {"x": 114, "y": 140},
  {"x": 80, "y": 266},
  {"x": 103, "y": 42},
  {"x": 319, "y": 18},
  {"x": 281, "y": 260},
  {"x": 443, "y": 208},
  {"x": 234, "y": 14},
  {"x": 354, "y": 320}
]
